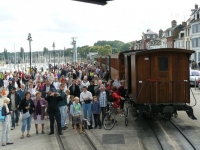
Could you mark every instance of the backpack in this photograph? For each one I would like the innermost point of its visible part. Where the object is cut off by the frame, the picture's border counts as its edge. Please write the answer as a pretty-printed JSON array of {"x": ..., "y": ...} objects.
[
  {"x": 2, "y": 118},
  {"x": 110, "y": 96}
]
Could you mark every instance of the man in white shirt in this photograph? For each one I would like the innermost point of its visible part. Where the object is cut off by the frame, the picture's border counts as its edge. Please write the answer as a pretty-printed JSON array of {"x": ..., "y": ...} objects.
[{"x": 85, "y": 99}]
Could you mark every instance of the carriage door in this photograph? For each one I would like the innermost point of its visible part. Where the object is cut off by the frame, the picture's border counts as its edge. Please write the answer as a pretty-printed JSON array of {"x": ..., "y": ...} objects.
[{"x": 162, "y": 90}]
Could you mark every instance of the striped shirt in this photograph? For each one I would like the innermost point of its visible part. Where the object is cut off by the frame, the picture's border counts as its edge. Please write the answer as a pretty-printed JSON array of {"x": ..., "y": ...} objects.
[{"x": 102, "y": 99}]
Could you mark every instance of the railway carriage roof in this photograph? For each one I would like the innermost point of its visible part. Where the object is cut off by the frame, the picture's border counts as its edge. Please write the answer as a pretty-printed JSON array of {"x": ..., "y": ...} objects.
[{"x": 139, "y": 52}]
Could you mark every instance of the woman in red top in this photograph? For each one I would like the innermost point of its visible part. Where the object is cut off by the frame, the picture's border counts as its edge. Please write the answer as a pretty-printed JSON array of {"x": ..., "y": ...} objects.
[
  {"x": 109, "y": 85},
  {"x": 116, "y": 98}
]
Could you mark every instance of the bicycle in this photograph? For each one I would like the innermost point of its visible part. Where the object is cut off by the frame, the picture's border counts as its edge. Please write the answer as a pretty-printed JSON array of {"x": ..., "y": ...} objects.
[
  {"x": 127, "y": 102},
  {"x": 109, "y": 120}
]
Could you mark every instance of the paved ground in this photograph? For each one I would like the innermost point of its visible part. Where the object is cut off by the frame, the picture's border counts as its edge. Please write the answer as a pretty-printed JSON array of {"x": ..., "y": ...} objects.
[
  {"x": 36, "y": 142},
  {"x": 137, "y": 136}
]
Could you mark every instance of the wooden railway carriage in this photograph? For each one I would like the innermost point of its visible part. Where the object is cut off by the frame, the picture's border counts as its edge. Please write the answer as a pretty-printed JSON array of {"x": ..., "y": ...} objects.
[{"x": 157, "y": 79}]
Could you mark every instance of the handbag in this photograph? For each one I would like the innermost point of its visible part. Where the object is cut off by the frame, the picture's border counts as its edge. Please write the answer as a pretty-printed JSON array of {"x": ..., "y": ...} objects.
[{"x": 25, "y": 115}]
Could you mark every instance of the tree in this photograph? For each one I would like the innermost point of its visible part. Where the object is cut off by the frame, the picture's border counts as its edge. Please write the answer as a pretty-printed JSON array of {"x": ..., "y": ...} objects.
[
  {"x": 45, "y": 52},
  {"x": 126, "y": 47},
  {"x": 105, "y": 50},
  {"x": 21, "y": 53},
  {"x": 5, "y": 53},
  {"x": 115, "y": 45}
]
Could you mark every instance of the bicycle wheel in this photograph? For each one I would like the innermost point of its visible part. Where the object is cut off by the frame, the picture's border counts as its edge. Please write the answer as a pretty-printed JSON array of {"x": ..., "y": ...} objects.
[
  {"x": 109, "y": 121},
  {"x": 126, "y": 117}
]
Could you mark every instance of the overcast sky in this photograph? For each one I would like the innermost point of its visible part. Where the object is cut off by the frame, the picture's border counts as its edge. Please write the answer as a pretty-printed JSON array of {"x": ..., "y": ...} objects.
[{"x": 57, "y": 21}]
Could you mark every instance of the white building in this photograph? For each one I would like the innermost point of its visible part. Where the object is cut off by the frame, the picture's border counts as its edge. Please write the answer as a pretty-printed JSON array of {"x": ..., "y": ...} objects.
[
  {"x": 179, "y": 42},
  {"x": 195, "y": 33},
  {"x": 187, "y": 36}
]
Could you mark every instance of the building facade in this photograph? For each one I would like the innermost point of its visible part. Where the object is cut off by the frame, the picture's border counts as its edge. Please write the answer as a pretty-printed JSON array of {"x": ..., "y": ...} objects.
[{"x": 195, "y": 33}]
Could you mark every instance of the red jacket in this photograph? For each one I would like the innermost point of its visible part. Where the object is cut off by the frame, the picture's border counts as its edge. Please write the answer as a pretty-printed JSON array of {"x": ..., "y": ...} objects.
[{"x": 116, "y": 99}]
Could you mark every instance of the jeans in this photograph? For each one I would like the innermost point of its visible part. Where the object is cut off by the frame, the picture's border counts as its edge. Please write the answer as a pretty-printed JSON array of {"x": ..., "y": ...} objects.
[
  {"x": 87, "y": 111},
  {"x": 6, "y": 129},
  {"x": 27, "y": 122},
  {"x": 52, "y": 117},
  {"x": 15, "y": 117},
  {"x": 63, "y": 113}
]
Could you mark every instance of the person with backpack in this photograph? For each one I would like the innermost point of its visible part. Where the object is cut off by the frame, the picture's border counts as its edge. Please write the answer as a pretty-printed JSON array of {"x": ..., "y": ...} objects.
[
  {"x": 5, "y": 113},
  {"x": 103, "y": 99}
]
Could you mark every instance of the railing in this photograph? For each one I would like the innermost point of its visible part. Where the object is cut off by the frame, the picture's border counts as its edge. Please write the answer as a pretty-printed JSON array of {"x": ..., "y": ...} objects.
[{"x": 157, "y": 91}]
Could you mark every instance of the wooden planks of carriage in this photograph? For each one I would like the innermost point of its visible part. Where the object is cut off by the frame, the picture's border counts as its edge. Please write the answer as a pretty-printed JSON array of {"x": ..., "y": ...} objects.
[{"x": 153, "y": 76}]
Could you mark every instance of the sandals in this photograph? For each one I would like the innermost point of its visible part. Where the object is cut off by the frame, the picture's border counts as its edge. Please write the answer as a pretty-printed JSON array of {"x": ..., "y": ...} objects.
[
  {"x": 75, "y": 132},
  {"x": 82, "y": 132},
  {"x": 28, "y": 135},
  {"x": 22, "y": 137}
]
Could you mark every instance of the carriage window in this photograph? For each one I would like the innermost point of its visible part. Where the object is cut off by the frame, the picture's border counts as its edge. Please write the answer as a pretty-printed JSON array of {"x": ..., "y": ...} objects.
[{"x": 163, "y": 63}]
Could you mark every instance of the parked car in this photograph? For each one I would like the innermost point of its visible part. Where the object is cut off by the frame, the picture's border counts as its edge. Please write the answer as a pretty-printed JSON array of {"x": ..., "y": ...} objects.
[
  {"x": 194, "y": 76},
  {"x": 199, "y": 84}
]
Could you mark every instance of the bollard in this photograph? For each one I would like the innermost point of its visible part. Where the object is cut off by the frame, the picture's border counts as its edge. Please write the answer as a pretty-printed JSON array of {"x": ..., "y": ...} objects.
[{"x": 195, "y": 83}]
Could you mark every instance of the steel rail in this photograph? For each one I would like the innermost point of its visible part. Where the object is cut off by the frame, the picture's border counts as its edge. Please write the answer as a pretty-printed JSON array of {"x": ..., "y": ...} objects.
[{"x": 189, "y": 141}]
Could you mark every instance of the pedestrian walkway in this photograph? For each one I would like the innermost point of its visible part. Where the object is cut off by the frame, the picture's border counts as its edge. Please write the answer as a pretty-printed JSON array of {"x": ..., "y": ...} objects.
[
  {"x": 131, "y": 137},
  {"x": 35, "y": 142}
]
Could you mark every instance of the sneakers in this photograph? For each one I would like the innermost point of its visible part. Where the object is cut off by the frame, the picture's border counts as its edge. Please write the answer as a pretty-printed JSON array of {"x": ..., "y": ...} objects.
[
  {"x": 122, "y": 115},
  {"x": 12, "y": 128}
]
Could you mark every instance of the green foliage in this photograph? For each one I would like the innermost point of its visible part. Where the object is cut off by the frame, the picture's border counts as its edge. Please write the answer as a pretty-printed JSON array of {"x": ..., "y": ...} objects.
[
  {"x": 125, "y": 47},
  {"x": 68, "y": 52},
  {"x": 21, "y": 53},
  {"x": 117, "y": 46},
  {"x": 5, "y": 52}
]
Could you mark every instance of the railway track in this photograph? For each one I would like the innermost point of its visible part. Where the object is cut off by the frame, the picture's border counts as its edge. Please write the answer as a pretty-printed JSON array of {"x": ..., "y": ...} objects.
[
  {"x": 169, "y": 135},
  {"x": 83, "y": 137}
]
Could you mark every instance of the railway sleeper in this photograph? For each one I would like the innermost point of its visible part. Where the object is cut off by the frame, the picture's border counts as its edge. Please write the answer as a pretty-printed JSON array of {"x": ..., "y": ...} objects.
[{"x": 167, "y": 110}]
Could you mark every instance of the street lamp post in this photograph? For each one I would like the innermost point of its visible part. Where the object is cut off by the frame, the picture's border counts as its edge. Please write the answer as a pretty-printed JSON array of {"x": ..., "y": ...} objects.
[
  {"x": 30, "y": 39},
  {"x": 54, "y": 54}
]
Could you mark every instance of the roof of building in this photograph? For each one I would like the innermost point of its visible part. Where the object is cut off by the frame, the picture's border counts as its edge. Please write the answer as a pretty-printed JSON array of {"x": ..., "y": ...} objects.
[{"x": 150, "y": 32}]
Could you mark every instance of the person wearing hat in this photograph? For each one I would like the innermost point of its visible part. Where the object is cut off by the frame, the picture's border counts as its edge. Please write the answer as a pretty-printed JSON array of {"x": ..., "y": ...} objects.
[
  {"x": 53, "y": 110},
  {"x": 86, "y": 99},
  {"x": 14, "y": 106}
]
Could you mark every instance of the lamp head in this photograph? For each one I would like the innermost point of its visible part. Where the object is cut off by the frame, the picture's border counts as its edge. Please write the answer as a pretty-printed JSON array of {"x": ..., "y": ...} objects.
[{"x": 29, "y": 37}]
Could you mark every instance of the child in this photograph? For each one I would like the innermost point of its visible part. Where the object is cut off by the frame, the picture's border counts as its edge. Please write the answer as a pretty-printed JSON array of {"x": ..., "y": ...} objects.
[
  {"x": 96, "y": 110},
  {"x": 69, "y": 104},
  {"x": 75, "y": 110}
]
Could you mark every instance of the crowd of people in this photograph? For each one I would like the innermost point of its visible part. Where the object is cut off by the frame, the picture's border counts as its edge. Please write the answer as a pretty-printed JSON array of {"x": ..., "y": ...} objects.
[{"x": 61, "y": 95}]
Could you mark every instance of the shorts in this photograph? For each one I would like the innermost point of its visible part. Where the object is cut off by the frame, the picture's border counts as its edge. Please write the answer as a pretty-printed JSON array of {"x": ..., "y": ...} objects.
[{"x": 76, "y": 120}]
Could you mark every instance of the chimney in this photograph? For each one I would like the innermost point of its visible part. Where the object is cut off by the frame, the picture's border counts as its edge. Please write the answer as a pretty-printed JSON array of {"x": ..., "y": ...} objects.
[
  {"x": 174, "y": 23},
  {"x": 184, "y": 24},
  {"x": 196, "y": 6},
  {"x": 160, "y": 33},
  {"x": 148, "y": 30}
]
